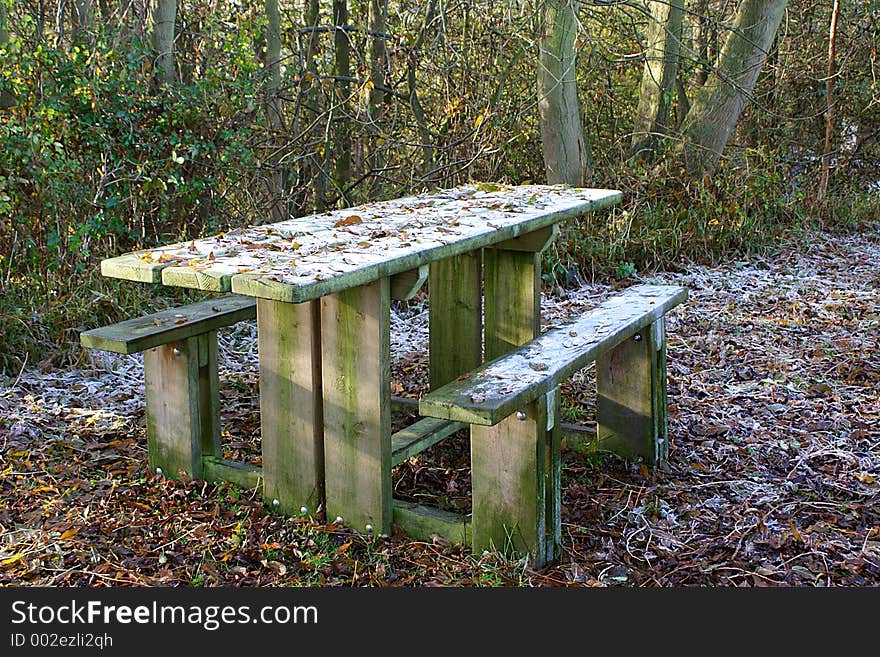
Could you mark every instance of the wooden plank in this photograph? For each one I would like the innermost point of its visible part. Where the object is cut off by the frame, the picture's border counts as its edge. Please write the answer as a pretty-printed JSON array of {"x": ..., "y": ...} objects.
[
  {"x": 509, "y": 464},
  {"x": 553, "y": 479},
  {"x": 631, "y": 398},
  {"x": 513, "y": 299},
  {"x": 171, "y": 325},
  {"x": 209, "y": 394},
  {"x": 308, "y": 257},
  {"x": 174, "y": 435},
  {"x": 455, "y": 318},
  {"x": 535, "y": 242},
  {"x": 405, "y": 285},
  {"x": 424, "y": 523},
  {"x": 498, "y": 388},
  {"x": 217, "y": 469},
  {"x": 357, "y": 415},
  {"x": 420, "y": 436},
  {"x": 289, "y": 407}
]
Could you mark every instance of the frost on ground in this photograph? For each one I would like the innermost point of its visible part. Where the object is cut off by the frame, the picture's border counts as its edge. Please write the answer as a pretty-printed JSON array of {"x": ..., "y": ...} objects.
[{"x": 773, "y": 477}]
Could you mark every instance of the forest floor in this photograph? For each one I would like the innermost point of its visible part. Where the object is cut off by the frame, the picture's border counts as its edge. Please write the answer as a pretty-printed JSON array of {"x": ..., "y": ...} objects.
[{"x": 773, "y": 475}]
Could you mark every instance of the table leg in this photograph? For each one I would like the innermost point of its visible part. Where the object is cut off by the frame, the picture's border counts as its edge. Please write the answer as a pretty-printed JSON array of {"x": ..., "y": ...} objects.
[
  {"x": 515, "y": 464},
  {"x": 355, "y": 326},
  {"x": 455, "y": 317},
  {"x": 290, "y": 404}
]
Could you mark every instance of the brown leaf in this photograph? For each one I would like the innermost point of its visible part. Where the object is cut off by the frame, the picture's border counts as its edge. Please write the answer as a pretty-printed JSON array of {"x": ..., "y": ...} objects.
[
  {"x": 343, "y": 548},
  {"x": 348, "y": 221}
]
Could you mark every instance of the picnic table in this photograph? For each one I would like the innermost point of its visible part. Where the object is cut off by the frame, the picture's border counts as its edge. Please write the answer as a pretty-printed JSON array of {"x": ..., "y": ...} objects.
[{"x": 323, "y": 286}]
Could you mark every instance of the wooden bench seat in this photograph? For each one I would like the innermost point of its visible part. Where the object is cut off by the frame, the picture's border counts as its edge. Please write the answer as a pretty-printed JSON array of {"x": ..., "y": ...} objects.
[
  {"x": 512, "y": 405},
  {"x": 180, "y": 377}
]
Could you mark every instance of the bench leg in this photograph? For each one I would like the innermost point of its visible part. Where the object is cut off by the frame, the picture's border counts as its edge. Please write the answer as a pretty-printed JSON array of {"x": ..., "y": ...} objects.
[
  {"x": 631, "y": 401},
  {"x": 356, "y": 345},
  {"x": 174, "y": 430},
  {"x": 209, "y": 395},
  {"x": 290, "y": 405}
]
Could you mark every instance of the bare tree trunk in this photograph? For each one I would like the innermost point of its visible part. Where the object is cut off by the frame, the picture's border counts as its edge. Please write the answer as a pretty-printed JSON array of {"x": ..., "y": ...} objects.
[
  {"x": 161, "y": 15},
  {"x": 319, "y": 175},
  {"x": 7, "y": 99},
  {"x": 427, "y": 163},
  {"x": 567, "y": 158},
  {"x": 716, "y": 109},
  {"x": 274, "y": 111},
  {"x": 377, "y": 19},
  {"x": 825, "y": 171},
  {"x": 83, "y": 18},
  {"x": 657, "y": 89},
  {"x": 342, "y": 126}
]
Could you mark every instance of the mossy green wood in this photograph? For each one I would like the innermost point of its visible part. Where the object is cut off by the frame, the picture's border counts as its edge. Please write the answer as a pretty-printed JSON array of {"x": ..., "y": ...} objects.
[
  {"x": 245, "y": 475},
  {"x": 419, "y": 436},
  {"x": 405, "y": 285},
  {"x": 174, "y": 434},
  {"x": 501, "y": 386},
  {"x": 355, "y": 334},
  {"x": 631, "y": 397},
  {"x": 223, "y": 274},
  {"x": 513, "y": 299},
  {"x": 510, "y": 463},
  {"x": 209, "y": 394},
  {"x": 455, "y": 318},
  {"x": 535, "y": 242},
  {"x": 509, "y": 485},
  {"x": 142, "y": 333},
  {"x": 289, "y": 406},
  {"x": 426, "y": 523},
  {"x": 553, "y": 478}
]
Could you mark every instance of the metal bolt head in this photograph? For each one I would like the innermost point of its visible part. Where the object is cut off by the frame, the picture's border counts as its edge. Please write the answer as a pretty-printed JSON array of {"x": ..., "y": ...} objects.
[
  {"x": 369, "y": 529},
  {"x": 276, "y": 502},
  {"x": 158, "y": 471},
  {"x": 176, "y": 351},
  {"x": 338, "y": 520},
  {"x": 637, "y": 337},
  {"x": 303, "y": 510},
  {"x": 521, "y": 415}
]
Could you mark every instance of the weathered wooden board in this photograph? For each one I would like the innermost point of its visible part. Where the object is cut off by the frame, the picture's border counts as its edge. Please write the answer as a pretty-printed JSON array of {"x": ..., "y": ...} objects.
[
  {"x": 142, "y": 333},
  {"x": 309, "y": 257},
  {"x": 174, "y": 434},
  {"x": 426, "y": 523},
  {"x": 509, "y": 463},
  {"x": 419, "y": 436},
  {"x": 631, "y": 397},
  {"x": 290, "y": 406},
  {"x": 217, "y": 469},
  {"x": 500, "y": 387},
  {"x": 455, "y": 317},
  {"x": 356, "y": 344},
  {"x": 209, "y": 394},
  {"x": 513, "y": 299}
]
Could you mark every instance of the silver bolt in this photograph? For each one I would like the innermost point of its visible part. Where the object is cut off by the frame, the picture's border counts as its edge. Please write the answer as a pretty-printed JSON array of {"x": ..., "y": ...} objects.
[
  {"x": 637, "y": 337},
  {"x": 303, "y": 510},
  {"x": 276, "y": 502},
  {"x": 369, "y": 529},
  {"x": 159, "y": 471},
  {"x": 338, "y": 520},
  {"x": 176, "y": 351},
  {"x": 520, "y": 415}
]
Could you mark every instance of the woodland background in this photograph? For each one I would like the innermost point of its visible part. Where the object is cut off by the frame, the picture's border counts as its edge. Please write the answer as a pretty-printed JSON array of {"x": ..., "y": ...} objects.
[{"x": 128, "y": 123}]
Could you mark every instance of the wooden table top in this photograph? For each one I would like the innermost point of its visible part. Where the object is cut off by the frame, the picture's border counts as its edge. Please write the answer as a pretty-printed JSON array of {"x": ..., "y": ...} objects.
[{"x": 308, "y": 257}]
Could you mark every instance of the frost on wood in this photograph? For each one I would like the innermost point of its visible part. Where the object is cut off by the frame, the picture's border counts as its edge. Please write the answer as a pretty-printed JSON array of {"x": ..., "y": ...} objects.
[
  {"x": 303, "y": 258},
  {"x": 488, "y": 394}
]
